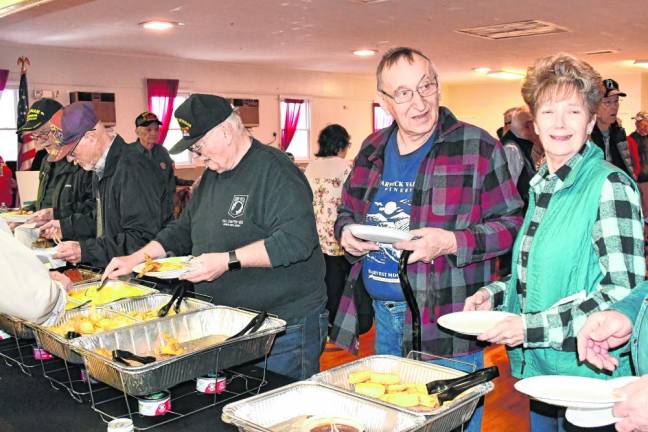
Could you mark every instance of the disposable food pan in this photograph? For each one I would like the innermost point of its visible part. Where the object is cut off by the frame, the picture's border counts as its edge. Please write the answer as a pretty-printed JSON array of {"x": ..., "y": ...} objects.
[
  {"x": 143, "y": 339},
  {"x": 15, "y": 327},
  {"x": 145, "y": 287},
  {"x": 154, "y": 302},
  {"x": 58, "y": 345},
  {"x": 81, "y": 274},
  {"x": 447, "y": 417},
  {"x": 281, "y": 409}
]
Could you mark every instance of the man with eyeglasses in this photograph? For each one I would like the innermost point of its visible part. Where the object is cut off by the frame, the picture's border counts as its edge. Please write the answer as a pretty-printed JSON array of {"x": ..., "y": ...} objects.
[
  {"x": 127, "y": 189},
  {"x": 448, "y": 184},
  {"x": 64, "y": 190},
  {"x": 608, "y": 134},
  {"x": 251, "y": 228}
]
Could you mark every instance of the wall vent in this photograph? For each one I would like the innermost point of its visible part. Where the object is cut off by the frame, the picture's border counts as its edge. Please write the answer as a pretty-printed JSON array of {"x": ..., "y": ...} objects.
[{"x": 514, "y": 30}]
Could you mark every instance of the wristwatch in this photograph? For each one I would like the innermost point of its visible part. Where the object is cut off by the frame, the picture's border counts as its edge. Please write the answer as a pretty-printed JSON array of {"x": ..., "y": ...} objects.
[{"x": 233, "y": 264}]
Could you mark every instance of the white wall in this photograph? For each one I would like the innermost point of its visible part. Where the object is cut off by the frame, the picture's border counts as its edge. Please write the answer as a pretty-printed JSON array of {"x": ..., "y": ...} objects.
[{"x": 334, "y": 98}]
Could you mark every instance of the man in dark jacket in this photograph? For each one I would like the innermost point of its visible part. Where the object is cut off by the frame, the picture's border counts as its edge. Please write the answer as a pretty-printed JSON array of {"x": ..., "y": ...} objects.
[
  {"x": 607, "y": 134},
  {"x": 639, "y": 139},
  {"x": 147, "y": 128},
  {"x": 128, "y": 190}
]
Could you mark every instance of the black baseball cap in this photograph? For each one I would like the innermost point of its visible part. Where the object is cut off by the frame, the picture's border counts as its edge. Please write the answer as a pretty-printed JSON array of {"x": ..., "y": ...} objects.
[
  {"x": 39, "y": 113},
  {"x": 199, "y": 114},
  {"x": 146, "y": 118},
  {"x": 612, "y": 88}
]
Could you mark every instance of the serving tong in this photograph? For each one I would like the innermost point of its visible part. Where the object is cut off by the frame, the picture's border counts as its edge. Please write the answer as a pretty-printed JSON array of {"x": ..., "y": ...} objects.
[
  {"x": 121, "y": 356},
  {"x": 177, "y": 297},
  {"x": 448, "y": 389},
  {"x": 254, "y": 325}
]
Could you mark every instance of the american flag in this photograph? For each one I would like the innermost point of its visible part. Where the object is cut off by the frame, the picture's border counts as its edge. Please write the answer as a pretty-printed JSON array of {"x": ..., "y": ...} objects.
[{"x": 26, "y": 148}]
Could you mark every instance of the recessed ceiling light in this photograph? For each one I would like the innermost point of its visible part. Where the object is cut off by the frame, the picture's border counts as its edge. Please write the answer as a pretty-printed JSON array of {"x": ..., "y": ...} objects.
[
  {"x": 481, "y": 70},
  {"x": 641, "y": 63},
  {"x": 159, "y": 25},
  {"x": 364, "y": 52},
  {"x": 505, "y": 74}
]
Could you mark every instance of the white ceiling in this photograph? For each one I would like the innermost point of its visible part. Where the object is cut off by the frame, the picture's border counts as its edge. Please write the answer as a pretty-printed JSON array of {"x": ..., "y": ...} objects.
[{"x": 320, "y": 34}]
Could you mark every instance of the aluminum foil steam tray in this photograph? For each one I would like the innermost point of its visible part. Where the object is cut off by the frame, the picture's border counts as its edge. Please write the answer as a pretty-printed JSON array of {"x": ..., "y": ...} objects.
[
  {"x": 56, "y": 344},
  {"x": 15, "y": 327},
  {"x": 281, "y": 409},
  {"x": 197, "y": 360},
  {"x": 81, "y": 287},
  {"x": 154, "y": 302},
  {"x": 411, "y": 371}
]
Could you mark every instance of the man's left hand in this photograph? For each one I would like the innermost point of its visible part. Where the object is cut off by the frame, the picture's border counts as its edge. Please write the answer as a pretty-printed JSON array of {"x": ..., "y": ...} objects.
[
  {"x": 69, "y": 251},
  {"x": 207, "y": 267},
  {"x": 633, "y": 408},
  {"x": 509, "y": 331},
  {"x": 429, "y": 243}
]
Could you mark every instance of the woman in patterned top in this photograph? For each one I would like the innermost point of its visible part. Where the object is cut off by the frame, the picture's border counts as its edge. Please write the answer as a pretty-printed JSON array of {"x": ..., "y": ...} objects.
[
  {"x": 580, "y": 248},
  {"x": 326, "y": 175}
]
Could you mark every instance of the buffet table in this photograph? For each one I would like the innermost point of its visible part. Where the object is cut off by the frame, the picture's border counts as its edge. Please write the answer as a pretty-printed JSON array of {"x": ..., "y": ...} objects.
[{"x": 30, "y": 403}]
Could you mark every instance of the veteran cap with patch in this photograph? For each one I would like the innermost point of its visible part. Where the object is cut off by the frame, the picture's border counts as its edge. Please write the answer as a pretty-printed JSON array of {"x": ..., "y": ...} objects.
[
  {"x": 612, "y": 88},
  {"x": 146, "y": 118},
  {"x": 76, "y": 119},
  {"x": 198, "y": 115},
  {"x": 39, "y": 113}
]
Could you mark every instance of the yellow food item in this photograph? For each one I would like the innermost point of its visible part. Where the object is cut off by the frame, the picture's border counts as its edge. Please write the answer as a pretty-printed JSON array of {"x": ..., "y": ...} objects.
[
  {"x": 397, "y": 388},
  {"x": 370, "y": 389},
  {"x": 406, "y": 400},
  {"x": 429, "y": 401},
  {"x": 151, "y": 266},
  {"x": 170, "y": 346},
  {"x": 90, "y": 324},
  {"x": 384, "y": 378},
  {"x": 107, "y": 294},
  {"x": 359, "y": 377},
  {"x": 416, "y": 389},
  {"x": 148, "y": 315}
]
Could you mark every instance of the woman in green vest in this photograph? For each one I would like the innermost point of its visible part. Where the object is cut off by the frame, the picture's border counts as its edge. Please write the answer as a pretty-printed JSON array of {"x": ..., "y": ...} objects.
[
  {"x": 624, "y": 326},
  {"x": 580, "y": 247}
]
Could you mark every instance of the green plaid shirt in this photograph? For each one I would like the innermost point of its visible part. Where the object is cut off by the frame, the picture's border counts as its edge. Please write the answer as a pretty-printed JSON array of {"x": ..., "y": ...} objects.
[{"x": 618, "y": 240}]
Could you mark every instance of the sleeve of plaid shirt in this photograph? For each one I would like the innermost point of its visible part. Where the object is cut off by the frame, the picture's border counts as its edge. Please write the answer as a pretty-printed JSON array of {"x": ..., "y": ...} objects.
[{"x": 618, "y": 239}]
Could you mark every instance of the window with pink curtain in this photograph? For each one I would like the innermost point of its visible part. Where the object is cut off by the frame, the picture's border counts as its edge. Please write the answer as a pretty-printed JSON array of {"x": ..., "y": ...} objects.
[
  {"x": 160, "y": 94},
  {"x": 290, "y": 121},
  {"x": 4, "y": 75}
]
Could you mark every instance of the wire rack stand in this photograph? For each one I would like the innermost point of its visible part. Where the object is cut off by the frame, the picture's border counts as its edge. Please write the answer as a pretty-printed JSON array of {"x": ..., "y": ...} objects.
[
  {"x": 18, "y": 352},
  {"x": 185, "y": 399},
  {"x": 63, "y": 375}
]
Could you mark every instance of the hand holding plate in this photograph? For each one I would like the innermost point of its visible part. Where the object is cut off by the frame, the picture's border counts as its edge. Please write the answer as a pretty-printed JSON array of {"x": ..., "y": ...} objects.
[
  {"x": 428, "y": 243},
  {"x": 207, "y": 267},
  {"x": 633, "y": 408},
  {"x": 603, "y": 331},
  {"x": 509, "y": 331}
]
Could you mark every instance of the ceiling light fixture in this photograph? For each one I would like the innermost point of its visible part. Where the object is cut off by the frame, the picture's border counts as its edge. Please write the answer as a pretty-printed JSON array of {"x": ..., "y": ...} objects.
[
  {"x": 506, "y": 74},
  {"x": 365, "y": 52},
  {"x": 159, "y": 25},
  {"x": 641, "y": 63},
  {"x": 481, "y": 70}
]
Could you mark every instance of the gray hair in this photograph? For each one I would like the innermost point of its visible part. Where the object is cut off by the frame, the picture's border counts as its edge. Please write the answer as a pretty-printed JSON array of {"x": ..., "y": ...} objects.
[{"x": 391, "y": 57}]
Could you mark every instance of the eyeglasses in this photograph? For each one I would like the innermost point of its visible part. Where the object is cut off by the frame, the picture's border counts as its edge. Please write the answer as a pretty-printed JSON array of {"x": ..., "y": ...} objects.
[
  {"x": 72, "y": 153},
  {"x": 401, "y": 96},
  {"x": 195, "y": 148}
]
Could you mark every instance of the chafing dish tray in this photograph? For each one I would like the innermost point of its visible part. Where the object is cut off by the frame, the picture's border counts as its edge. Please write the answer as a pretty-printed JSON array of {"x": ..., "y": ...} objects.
[
  {"x": 136, "y": 307},
  {"x": 15, "y": 327},
  {"x": 114, "y": 290},
  {"x": 196, "y": 332},
  {"x": 286, "y": 408}
]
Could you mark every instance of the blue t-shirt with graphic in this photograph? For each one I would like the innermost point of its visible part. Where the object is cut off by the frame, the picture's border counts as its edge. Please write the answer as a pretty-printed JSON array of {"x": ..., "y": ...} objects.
[{"x": 391, "y": 208}]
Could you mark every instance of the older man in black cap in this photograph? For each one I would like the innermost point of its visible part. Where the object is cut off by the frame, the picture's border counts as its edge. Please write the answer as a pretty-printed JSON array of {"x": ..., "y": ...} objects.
[
  {"x": 64, "y": 190},
  {"x": 251, "y": 227},
  {"x": 608, "y": 134},
  {"x": 129, "y": 193},
  {"x": 147, "y": 128}
]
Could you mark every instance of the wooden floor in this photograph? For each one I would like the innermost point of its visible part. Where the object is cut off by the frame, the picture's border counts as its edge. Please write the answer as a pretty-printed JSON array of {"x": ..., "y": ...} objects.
[{"x": 505, "y": 410}]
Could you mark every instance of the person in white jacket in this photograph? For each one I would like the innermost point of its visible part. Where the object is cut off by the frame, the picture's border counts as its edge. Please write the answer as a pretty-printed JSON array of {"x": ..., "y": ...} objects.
[{"x": 28, "y": 290}]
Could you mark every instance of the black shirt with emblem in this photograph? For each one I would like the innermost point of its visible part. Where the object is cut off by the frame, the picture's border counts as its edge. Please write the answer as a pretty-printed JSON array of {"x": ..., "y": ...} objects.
[{"x": 265, "y": 197}]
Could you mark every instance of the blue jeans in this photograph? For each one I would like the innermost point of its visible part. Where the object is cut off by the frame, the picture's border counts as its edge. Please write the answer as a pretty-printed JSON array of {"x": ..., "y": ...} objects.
[
  {"x": 389, "y": 317},
  {"x": 296, "y": 352},
  {"x": 474, "y": 424}
]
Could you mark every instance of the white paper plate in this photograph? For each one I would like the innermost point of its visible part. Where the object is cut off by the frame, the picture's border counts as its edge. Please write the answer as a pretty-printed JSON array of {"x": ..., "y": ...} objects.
[
  {"x": 472, "y": 323},
  {"x": 590, "y": 418},
  {"x": 172, "y": 274},
  {"x": 573, "y": 391},
  {"x": 378, "y": 234},
  {"x": 15, "y": 218}
]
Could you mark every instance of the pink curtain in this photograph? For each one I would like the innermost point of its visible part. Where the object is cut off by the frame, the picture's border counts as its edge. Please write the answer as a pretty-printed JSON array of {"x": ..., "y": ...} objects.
[
  {"x": 161, "y": 93},
  {"x": 4, "y": 75},
  {"x": 291, "y": 119}
]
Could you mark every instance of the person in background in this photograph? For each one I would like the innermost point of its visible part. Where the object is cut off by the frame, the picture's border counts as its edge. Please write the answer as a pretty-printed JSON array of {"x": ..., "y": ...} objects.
[
  {"x": 639, "y": 140},
  {"x": 65, "y": 190},
  {"x": 42, "y": 294},
  {"x": 507, "y": 122},
  {"x": 625, "y": 327},
  {"x": 130, "y": 210},
  {"x": 251, "y": 228},
  {"x": 7, "y": 185},
  {"x": 444, "y": 181},
  {"x": 580, "y": 247},
  {"x": 326, "y": 175},
  {"x": 607, "y": 134},
  {"x": 147, "y": 128}
]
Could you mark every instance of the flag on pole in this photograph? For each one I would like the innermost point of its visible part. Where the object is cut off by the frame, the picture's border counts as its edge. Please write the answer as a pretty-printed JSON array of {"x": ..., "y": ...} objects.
[{"x": 26, "y": 148}]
